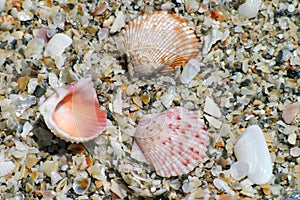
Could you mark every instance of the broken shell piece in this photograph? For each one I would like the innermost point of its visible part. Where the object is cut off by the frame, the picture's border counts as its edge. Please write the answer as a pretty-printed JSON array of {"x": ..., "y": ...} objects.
[
  {"x": 191, "y": 69},
  {"x": 212, "y": 108},
  {"x": 158, "y": 42},
  {"x": 81, "y": 183},
  {"x": 6, "y": 168},
  {"x": 214, "y": 36},
  {"x": 252, "y": 149},
  {"x": 118, "y": 23},
  {"x": 56, "y": 46},
  {"x": 55, "y": 177},
  {"x": 73, "y": 113},
  {"x": 290, "y": 112},
  {"x": 191, "y": 6},
  {"x": 223, "y": 186},
  {"x": 173, "y": 141},
  {"x": 100, "y": 9},
  {"x": 239, "y": 170}
]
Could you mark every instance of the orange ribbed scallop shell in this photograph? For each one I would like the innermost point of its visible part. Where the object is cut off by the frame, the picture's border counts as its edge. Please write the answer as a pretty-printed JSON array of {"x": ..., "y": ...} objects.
[{"x": 158, "y": 42}]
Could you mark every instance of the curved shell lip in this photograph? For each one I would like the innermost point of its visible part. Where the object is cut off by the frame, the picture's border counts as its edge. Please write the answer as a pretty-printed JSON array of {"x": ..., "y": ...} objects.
[{"x": 48, "y": 107}]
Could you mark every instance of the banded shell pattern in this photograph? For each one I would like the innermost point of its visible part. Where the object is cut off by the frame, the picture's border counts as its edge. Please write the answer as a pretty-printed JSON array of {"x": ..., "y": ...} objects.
[
  {"x": 158, "y": 42},
  {"x": 73, "y": 113},
  {"x": 174, "y": 141}
]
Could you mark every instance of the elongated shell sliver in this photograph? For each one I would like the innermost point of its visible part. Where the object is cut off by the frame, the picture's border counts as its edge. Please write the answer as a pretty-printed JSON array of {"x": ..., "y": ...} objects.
[
  {"x": 252, "y": 148},
  {"x": 73, "y": 113},
  {"x": 174, "y": 141},
  {"x": 157, "y": 42}
]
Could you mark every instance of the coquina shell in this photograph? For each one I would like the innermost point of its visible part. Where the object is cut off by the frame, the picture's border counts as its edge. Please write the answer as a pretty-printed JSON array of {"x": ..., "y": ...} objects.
[
  {"x": 157, "y": 42},
  {"x": 73, "y": 113}
]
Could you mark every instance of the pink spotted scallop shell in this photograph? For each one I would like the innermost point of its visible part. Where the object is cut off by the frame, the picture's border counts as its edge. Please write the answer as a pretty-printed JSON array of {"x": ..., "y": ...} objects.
[
  {"x": 73, "y": 113},
  {"x": 174, "y": 141},
  {"x": 157, "y": 42}
]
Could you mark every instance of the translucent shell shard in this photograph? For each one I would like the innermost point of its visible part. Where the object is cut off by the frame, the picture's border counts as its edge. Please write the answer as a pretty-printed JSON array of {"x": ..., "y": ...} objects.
[
  {"x": 73, "y": 113},
  {"x": 158, "y": 42},
  {"x": 174, "y": 141}
]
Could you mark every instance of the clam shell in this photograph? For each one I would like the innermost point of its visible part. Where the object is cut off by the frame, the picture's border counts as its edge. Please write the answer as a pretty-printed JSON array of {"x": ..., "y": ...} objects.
[
  {"x": 252, "y": 149},
  {"x": 73, "y": 113},
  {"x": 157, "y": 42},
  {"x": 173, "y": 141}
]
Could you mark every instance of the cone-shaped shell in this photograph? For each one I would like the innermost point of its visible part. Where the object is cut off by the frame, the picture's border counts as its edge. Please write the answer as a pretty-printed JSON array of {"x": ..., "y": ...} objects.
[
  {"x": 157, "y": 42},
  {"x": 73, "y": 113},
  {"x": 174, "y": 141}
]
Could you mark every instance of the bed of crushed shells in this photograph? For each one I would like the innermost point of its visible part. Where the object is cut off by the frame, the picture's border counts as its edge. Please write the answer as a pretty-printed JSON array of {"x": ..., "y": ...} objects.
[{"x": 249, "y": 67}]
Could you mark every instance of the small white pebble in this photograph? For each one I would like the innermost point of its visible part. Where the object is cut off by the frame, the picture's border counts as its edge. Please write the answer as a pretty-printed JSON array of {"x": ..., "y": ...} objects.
[
  {"x": 291, "y": 8},
  {"x": 292, "y": 138},
  {"x": 295, "y": 151}
]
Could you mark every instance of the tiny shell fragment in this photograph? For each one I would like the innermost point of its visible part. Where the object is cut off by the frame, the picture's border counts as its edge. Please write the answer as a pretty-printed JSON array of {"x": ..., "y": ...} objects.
[
  {"x": 81, "y": 183},
  {"x": 56, "y": 46},
  {"x": 289, "y": 113},
  {"x": 191, "y": 6},
  {"x": 190, "y": 70},
  {"x": 212, "y": 108},
  {"x": 239, "y": 170},
  {"x": 6, "y": 168},
  {"x": 118, "y": 23},
  {"x": 223, "y": 186}
]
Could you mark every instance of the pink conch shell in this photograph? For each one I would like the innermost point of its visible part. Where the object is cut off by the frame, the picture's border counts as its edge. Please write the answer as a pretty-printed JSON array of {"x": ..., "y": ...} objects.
[
  {"x": 174, "y": 141},
  {"x": 73, "y": 113},
  {"x": 158, "y": 42}
]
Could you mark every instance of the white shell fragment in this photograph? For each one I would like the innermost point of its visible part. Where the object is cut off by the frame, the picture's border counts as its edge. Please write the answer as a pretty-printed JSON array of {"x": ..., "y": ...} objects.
[
  {"x": 118, "y": 23},
  {"x": 56, "y": 46},
  {"x": 223, "y": 186},
  {"x": 239, "y": 170},
  {"x": 73, "y": 113},
  {"x": 209, "y": 40},
  {"x": 252, "y": 149},
  {"x": 211, "y": 108},
  {"x": 250, "y": 8},
  {"x": 6, "y": 168},
  {"x": 191, "y": 6},
  {"x": 190, "y": 70},
  {"x": 55, "y": 177},
  {"x": 2, "y": 5}
]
